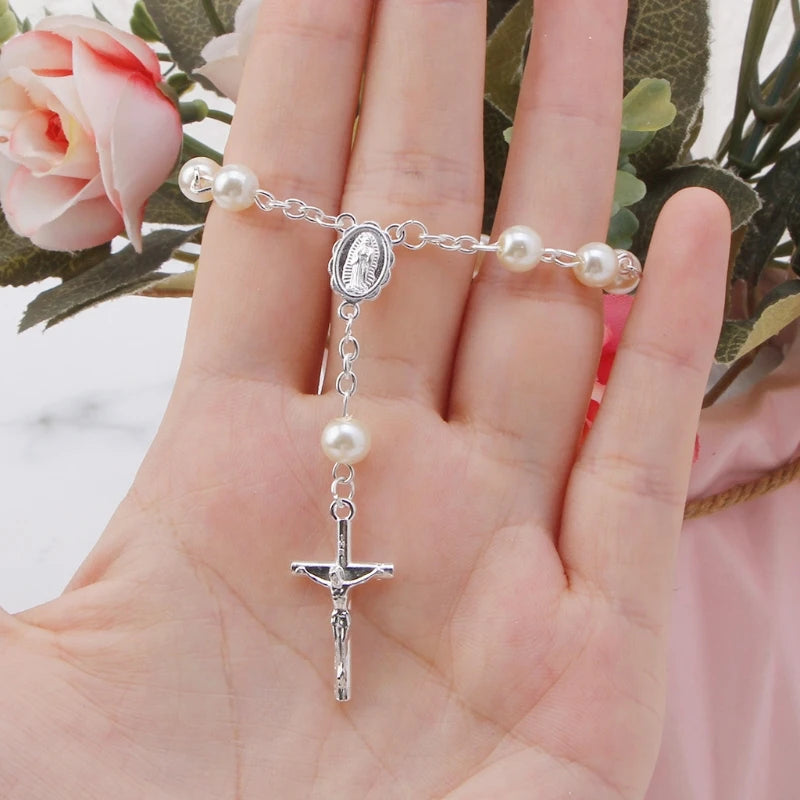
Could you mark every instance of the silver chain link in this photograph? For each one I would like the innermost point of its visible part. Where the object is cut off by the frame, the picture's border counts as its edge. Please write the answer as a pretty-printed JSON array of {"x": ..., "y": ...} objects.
[
  {"x": 343, "y": 487},
  {"x": 413, "y": 235}
]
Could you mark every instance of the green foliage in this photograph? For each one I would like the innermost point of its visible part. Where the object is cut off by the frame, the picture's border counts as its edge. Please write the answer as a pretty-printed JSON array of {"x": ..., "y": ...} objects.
[
  {"x": 628, "y": 190},
  {"x": 668, "y": 39},
  {"x": 780, "y": 192},
  {"x": 119, "y": 274},
  {"x": 622, "y": 229},
  {"x": 169, "y": 206},
  {"x": 495, "y": 155},
  {"x": 8, "y": 24},
  {"x": 505, "y": 58},
  {"x": 779, "y": 308},
  {"x": 180, "y": 83},
  {"x": 142, "y": 24},
  {"x": 742, "y": 200},
  {"x": 648, "y": 107},
  {"x": 98, "y": 14},
  {"x": 185, "y": 27}
]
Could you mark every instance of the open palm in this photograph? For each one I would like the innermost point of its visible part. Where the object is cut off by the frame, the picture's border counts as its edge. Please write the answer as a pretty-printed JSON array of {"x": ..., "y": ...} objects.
[{"x": 520, "y": 650}]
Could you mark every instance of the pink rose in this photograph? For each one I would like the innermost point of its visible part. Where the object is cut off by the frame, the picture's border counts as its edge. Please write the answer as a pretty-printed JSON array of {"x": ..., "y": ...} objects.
[
  {"x": 225, "y": 55},
  {"x": 86, "y": 135}
]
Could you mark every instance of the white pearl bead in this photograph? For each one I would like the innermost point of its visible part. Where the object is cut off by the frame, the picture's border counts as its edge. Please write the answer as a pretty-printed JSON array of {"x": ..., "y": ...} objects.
[
  {"x": 627, "y": 281},
  {"x": 235, "y": 187},
  {"x": 598, "y": 265},
  {"x": 520, "y": 248},
  {"x": 345, "y": 441},
  {"x": 197, "y": 174}
]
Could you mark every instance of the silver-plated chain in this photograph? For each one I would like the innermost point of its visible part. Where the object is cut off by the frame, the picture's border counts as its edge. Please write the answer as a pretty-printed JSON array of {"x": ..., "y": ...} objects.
[
  {"x": 297, "y": 209},
  {"x": 414, "y": 235},
  {"x": 343, "y": 487}
]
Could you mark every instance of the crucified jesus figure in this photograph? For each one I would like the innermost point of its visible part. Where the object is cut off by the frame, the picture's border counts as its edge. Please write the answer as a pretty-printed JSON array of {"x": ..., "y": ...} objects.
[{"x": 340, "y": 577}]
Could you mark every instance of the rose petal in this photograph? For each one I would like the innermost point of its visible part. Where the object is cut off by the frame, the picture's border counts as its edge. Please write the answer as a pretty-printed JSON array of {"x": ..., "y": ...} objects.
[
  {"x": 42, "y": 52},
  {"x": 59, "y": 213},
  {"x": 31, "y": 146},
  {"x": 30, "y": 202},
  {"x": 224, "y": 73},
  {"x": 100, "y": 86},
  {"x": 137, "y": 131},
  {"x": 225, "y": 55},
  {"x": 81, "y": 159},
  {"x": 57, "y": 94},
  {"x": 142, "y": 155},
  {"x": 86, "y": 224},
  {"x": 7, "y": 170},
  {"x": 125, "y": 49},
  {"x": 14, "y": 103}
]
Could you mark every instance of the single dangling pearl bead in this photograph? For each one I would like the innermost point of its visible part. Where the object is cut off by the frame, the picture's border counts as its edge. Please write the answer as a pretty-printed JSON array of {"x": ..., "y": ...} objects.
[
  {"x": 520, "y": 248},
  {"x": 196, "y": 175},
  {"x": 345, "y": 441},
  {"x": 626, "y": 281},
  {"x": 597, "y": 266},
  {"x": 235, "y": 187}
]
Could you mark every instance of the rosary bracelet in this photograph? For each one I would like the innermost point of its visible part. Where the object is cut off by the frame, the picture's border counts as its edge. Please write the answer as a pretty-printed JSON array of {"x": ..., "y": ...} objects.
[{"x": 359, "y": 268}]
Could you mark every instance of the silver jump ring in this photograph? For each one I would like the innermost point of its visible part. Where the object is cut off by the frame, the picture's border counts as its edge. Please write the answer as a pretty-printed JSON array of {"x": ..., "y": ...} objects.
[
  {"x": 347, "y": 389},
  {"x": 340, "y": 503}
]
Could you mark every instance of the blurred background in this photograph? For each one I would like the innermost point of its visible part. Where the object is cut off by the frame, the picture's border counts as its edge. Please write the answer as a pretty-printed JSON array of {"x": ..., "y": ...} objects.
[{"x": 80, "y": 403}]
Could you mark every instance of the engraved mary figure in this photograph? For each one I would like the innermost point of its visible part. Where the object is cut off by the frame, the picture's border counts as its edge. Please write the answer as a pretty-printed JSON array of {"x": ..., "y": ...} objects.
[{"x": 358, "y": 274}]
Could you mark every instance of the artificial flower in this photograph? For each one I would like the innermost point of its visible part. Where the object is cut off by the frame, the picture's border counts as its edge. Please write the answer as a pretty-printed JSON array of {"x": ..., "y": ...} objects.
[
  {"x": 225, "y": 55},
  {"x": 86, "y": 134}
]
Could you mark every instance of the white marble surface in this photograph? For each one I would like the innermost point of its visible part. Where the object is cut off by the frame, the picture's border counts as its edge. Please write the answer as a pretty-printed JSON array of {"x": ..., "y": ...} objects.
[{"x": 80, "y": 403}]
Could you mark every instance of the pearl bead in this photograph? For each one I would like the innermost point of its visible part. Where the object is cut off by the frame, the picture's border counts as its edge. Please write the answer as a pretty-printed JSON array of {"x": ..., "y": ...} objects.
[
  {"x": 597, "y": 266},
  {"x": 520, "y": 248},
  {"x": 626, "y": 281},
  {"x": 235, "y": 187},
  {"x": 345, "y": 441},
  {"x": 198, "y": 173}
]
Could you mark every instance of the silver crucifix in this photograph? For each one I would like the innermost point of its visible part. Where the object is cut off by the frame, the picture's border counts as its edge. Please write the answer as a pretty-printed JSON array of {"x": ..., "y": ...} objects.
[{"x": 340, "y": 577}]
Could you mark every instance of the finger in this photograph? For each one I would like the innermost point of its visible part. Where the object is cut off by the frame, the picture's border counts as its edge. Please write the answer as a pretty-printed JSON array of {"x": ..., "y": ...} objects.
[
  {"x": 531, "y": 341},
  {"x": 627, "y": 491},
  {"x": 418, "y": 155},
  {"x": 261, "y": 301}
]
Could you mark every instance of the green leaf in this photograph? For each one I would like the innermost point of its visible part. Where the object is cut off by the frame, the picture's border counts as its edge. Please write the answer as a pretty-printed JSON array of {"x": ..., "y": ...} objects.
[
  {"x": 98, "y": 14},
  {"x": 495, "y": 12},
  {"x": 23, "y": 263},
  {"x": 761, "y": 14},
  {"x": 780, "y": 191},
  {"x": 668, "y": 39},
  {"x": 142, "y": 24},
  {"x": 505, "y": 58},
  {"x": 622, "y": 229},
  {"x": 180, "y": 83},
  {"x": 495, "y": 154},
  {"x": 169, "y": 206},
  {"x": 185, "y": 28},
  {"x": 633, "y": 141},
  {"x": 178, "y": 284},
  {"x": 121, "y": 273},
  {"x": 779, "y": 308},
  {"x": 8, "y": 25},
  {"x": 741, "y": 198},
  {"x": 628, "y": 190},
  {"x": 648, "y": 107}
]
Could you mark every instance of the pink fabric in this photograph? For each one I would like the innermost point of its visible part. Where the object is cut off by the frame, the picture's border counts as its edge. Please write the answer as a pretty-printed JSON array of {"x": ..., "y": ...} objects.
[{"x": 733, "y": 705}]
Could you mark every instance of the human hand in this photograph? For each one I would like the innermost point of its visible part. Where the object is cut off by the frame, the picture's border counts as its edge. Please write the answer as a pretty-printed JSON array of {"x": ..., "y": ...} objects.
[{"x": 520, "y": 650}]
